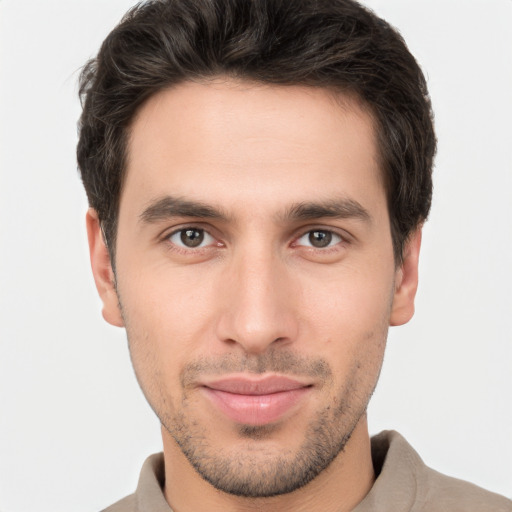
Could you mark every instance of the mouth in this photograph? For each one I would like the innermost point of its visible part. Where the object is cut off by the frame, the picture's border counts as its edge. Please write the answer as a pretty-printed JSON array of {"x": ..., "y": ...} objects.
[{"x": 256, "y": 401}]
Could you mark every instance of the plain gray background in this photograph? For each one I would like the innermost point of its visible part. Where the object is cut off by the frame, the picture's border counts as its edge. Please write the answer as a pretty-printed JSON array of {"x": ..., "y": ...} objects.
[{"x": 74, "y": 427}]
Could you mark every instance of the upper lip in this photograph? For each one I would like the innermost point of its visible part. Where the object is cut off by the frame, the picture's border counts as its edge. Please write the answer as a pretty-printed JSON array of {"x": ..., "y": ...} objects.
[{"x": 244, "y": 385}]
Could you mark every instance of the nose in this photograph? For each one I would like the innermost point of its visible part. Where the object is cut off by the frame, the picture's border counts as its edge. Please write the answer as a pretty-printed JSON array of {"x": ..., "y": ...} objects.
[{"x": 259, "y": 309}]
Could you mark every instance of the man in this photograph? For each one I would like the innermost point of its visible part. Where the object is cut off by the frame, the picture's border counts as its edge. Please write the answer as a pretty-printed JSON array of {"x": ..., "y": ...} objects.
[{"x": 258, "y": 175}]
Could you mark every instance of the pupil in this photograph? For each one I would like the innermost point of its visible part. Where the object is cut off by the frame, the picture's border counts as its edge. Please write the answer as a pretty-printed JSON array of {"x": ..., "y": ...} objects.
[
  {"x": 320, "y": 238},
  {"x": 192, "y": 237}
]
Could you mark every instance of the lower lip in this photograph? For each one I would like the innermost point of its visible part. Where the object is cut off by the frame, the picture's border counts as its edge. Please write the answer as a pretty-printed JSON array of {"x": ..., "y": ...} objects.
[{"x": 256, "y": 409}]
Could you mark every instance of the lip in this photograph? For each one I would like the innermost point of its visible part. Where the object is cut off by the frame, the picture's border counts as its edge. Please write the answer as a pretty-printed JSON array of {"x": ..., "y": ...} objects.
[{"x": 255, "y": 401}]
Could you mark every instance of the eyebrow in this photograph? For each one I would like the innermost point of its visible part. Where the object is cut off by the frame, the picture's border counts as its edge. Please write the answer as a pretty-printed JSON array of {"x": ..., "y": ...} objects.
[
  {"x": 335, "y": 209},
  {"x": 168, "y": 207}
]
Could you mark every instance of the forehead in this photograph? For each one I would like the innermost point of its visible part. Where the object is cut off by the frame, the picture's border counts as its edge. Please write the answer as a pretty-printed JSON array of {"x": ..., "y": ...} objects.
[{"x": 233, "y": 142}]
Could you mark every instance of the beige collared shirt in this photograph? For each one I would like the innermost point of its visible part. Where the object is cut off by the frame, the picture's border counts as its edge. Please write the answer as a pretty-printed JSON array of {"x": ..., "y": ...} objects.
[{"x": 403, "y": 484}]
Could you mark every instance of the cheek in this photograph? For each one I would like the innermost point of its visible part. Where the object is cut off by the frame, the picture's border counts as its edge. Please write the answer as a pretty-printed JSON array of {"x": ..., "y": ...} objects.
[
  {"x": 348, "y": 320},
  {"x": 349, "y": 304},
  {"x": 165, "y": 315}
]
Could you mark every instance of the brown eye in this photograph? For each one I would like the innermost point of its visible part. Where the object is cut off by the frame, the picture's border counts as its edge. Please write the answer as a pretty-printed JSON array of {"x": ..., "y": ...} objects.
[
  {"x": 320, "y": 239},
  {"x": 191, "y": 238}
]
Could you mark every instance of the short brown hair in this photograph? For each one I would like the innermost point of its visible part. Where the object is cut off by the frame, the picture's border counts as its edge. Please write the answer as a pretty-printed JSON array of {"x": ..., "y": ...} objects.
[{"x": 335, "y": 44}]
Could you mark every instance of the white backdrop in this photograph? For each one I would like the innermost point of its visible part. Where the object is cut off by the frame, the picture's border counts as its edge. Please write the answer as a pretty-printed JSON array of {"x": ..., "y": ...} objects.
[{"x": 74, "y": 427}]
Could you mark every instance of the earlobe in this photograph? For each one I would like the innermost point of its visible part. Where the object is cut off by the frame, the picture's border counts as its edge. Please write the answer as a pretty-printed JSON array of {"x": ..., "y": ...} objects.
[
  {"x": 406, "y": 282},
  {"x": 102, "y": 270}
]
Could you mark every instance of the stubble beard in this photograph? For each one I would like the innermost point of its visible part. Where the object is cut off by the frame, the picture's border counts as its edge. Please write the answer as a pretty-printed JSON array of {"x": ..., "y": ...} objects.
[
  {"x": 261, "y": 475},
  {"x": 259, "y": 472}
]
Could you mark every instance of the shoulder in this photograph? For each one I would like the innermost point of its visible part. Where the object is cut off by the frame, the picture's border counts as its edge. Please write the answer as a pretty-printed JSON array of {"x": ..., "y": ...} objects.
[
  {"x": 127, "y": 504},
  {"x": 451, "y": 494},
  {"x": 405, "y": 483},
  {"x": 148, "y": 495}
]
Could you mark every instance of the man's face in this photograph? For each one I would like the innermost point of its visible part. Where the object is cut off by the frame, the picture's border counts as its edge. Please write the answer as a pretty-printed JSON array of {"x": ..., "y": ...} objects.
[{"x": 255, "y": 276}]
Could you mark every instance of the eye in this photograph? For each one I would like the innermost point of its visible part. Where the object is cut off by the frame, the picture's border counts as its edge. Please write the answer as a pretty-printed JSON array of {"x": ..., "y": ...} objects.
[
  {"x": 319, "y": 239},
  {"x": 191, "y": 238}
]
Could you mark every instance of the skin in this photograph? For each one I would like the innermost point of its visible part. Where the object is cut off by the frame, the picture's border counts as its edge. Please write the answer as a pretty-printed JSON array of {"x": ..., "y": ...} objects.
[{"x": 255, "y": 297}]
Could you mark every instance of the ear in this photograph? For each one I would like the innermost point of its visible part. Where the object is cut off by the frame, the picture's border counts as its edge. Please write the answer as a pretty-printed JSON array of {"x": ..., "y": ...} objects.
[
  {"x": 406, "y": 281},
  {"x": 102, "y": 270}
]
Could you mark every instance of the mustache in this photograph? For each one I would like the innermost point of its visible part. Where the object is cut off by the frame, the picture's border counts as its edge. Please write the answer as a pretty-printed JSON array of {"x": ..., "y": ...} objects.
[{"x": 273, "y": 361}]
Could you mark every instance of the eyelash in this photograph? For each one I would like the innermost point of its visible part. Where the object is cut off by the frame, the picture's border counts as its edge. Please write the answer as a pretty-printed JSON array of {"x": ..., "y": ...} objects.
[
  {"x": 332, "y": 234},
  {"x": 342, "y": 239},
  {"x": 167, "y": 239}
]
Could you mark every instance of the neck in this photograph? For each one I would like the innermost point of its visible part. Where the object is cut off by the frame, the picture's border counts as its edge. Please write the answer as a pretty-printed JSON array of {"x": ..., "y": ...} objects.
[{"x": 339, "y": 488}]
